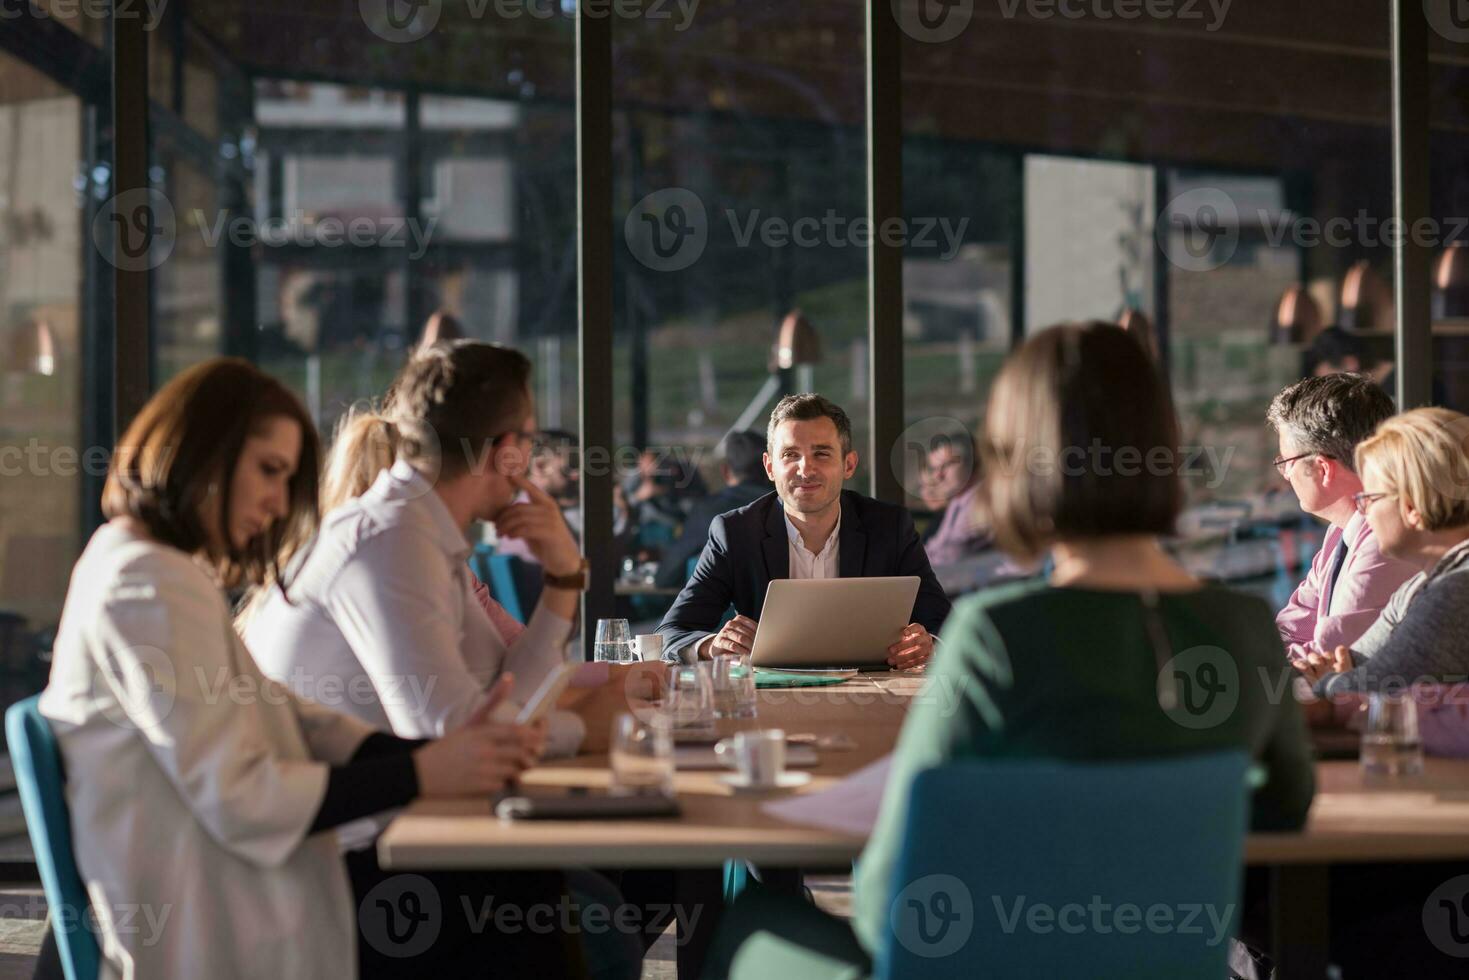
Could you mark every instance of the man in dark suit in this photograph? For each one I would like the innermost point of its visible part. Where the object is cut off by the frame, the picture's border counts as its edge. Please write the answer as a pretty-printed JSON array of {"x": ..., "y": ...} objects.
[
  {"x": 809, "y": 528},
  {"x": 744, "y": 482}
]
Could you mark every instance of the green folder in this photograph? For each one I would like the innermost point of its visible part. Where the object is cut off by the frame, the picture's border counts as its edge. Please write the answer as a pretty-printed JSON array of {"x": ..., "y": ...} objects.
[{"x": 776, "y": 678}]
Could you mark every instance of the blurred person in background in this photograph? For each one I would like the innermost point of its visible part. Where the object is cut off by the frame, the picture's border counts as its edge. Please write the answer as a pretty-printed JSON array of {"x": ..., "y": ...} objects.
[
  {"x": 743, "y": 469},
  {"x": 953, "y": 472}
]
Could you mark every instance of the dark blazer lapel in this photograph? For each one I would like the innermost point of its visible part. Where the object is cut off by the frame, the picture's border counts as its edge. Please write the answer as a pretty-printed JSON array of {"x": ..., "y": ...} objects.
[
  {"x": 777, "y": 544},
  {"x": 852, "y": 541}
]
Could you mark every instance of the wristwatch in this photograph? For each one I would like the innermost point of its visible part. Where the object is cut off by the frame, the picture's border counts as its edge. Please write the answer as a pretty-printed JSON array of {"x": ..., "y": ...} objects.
[{"x": 575, "y": 581}]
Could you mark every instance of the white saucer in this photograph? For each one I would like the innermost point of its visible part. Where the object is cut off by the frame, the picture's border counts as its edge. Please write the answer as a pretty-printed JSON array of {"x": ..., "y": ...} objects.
[{"x": 789, "y": 779}]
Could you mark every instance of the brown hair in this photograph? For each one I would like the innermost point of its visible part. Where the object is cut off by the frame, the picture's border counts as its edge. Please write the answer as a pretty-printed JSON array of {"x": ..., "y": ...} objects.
[
  {"x": 1070, "y": 390},
  {"x": 804, "y": 408},
  {"x": 179, "y": 455},
  {"x": 453, "y": 400}
]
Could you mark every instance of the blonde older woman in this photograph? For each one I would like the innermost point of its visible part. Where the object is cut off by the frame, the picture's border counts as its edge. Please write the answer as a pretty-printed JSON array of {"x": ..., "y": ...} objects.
[{"x": 1415, "y": 479}]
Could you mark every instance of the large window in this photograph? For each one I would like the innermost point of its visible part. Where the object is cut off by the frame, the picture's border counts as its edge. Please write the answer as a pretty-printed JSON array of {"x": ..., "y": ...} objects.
[
  {"x": 1217, "y": 176},
  {"x": 49, "y": 186}
]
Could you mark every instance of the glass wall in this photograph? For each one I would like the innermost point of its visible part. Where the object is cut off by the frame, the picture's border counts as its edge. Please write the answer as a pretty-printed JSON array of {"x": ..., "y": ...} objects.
[
  {"x": 740, "y": 215},
  {"x": 1449, "y": 206},
  {"x": 1218, "y": 176},
  {"x": 48, "y": 187}
]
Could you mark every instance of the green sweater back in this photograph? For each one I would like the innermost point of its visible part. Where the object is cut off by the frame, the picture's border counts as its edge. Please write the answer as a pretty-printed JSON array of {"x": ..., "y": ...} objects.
[{"x": 1034, "y": 671}]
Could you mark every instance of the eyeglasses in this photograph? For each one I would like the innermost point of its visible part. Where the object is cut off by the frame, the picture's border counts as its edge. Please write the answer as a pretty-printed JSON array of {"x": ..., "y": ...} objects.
[
  {"x": 1364, "y": 500},
  {"x": 1282, "y": 463}
]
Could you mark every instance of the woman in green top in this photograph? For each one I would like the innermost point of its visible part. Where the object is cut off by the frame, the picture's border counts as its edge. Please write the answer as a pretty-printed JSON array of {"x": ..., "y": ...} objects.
[{"x": 1120, "y": 654}]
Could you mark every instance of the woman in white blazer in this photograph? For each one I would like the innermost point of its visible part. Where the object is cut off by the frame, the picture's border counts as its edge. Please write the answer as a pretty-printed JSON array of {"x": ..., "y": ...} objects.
[{"x": 199, "y": 789}]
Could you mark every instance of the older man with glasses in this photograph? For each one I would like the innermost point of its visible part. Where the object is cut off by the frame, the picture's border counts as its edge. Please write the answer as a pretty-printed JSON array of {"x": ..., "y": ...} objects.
[{"x": 1319, "y": 422}]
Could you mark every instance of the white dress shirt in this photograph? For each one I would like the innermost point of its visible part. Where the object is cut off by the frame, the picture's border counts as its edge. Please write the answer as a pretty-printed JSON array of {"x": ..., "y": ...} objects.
[
  {"x": 806, "y": 564},
  {"x": 382, "y": 622},
  {"x": 192, "y": 780}
]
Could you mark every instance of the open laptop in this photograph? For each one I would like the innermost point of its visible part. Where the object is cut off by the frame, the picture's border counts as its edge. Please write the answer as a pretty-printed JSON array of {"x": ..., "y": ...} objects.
[{"x": 833, "y": 622}]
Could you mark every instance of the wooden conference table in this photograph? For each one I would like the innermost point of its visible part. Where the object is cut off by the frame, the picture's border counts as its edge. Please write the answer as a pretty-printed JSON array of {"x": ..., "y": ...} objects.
[{"x": 1354, "y": 818}]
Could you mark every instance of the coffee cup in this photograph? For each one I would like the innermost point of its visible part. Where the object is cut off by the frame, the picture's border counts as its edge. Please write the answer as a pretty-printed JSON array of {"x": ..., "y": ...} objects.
[
  {"x": 759, "y": 756},
  {"x": 648, "y": 647}
]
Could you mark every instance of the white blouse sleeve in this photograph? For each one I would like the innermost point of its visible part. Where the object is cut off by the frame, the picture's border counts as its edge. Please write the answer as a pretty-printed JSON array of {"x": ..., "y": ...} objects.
[{"x": 168, "y": 665}]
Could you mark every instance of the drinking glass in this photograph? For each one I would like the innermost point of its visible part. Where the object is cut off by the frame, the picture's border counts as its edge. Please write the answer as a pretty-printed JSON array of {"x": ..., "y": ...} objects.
[
  {"x": 613, "y": 642},
  {"x": 1390, "y": 741},
  {"x": 689, "y": 699},
  {"x": 642, "y": 754},
  {"x": 734, "y": 686}
]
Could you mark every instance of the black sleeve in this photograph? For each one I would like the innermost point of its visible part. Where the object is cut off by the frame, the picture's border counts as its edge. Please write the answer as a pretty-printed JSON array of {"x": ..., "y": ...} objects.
[
  {"x": 707, "y": 594},
  {"x": 931, "y": 606},
  {"x": 379, "y": 776}
]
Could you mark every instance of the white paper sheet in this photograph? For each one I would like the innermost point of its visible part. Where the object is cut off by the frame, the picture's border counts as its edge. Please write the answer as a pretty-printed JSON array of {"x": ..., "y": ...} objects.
[{"x": 849, "y": 807}]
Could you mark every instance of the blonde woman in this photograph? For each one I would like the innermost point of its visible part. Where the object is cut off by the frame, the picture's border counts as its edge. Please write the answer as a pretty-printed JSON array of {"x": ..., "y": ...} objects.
[{"x": 1415, "y": 497}]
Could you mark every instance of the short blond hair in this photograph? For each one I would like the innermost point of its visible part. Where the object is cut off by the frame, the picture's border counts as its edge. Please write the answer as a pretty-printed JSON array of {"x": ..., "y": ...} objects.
[{"x": 1423, "y": 457}]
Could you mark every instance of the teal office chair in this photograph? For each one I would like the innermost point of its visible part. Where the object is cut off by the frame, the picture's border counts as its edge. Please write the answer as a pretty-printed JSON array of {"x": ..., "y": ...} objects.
[
  {"x": 38, "y": 777},
  {"x": 988, "y": 842},
  {"x": 502, "y": 584},
  {"x": 498, "y": 572}
]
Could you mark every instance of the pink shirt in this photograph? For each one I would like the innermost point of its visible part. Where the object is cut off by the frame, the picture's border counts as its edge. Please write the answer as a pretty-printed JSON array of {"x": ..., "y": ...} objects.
[
  {"x": 506, "y": 625},
  {"x": 1327, "y": 617}
]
